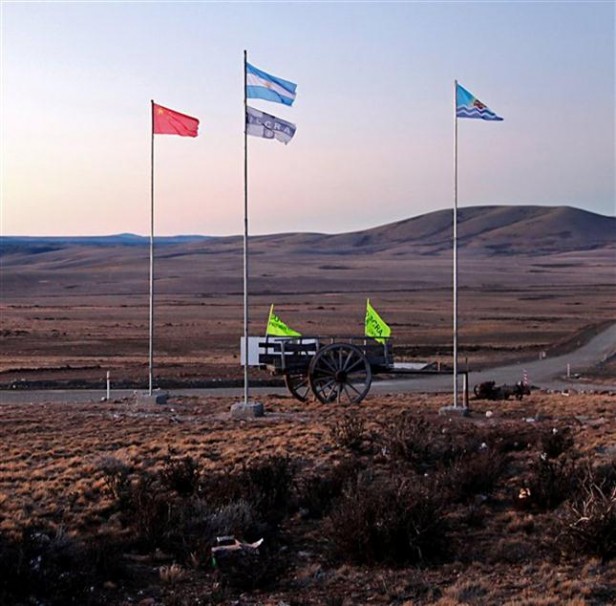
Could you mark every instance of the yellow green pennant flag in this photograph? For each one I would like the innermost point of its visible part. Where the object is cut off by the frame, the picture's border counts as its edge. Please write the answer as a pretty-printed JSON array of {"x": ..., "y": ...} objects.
[
  {"x": 375, "y": 325},
  {"x": 277, "y": 328}
]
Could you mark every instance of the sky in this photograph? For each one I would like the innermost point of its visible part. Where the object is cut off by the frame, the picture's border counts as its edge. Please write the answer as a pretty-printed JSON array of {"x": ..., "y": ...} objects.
[{"x": 374, "y": 113}]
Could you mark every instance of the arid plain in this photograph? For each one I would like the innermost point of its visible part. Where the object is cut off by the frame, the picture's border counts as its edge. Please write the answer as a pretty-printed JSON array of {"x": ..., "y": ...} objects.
[
  {"x": 384, "y": 503},
  {"x": 531, "y": 279}
]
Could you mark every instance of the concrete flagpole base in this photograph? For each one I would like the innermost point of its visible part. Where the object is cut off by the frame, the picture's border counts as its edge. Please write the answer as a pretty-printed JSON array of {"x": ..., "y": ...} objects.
[
  {"x": 461, "y": 411},
  {"x": 156, "y": 397},
  {"x": 247, "y": 410}
]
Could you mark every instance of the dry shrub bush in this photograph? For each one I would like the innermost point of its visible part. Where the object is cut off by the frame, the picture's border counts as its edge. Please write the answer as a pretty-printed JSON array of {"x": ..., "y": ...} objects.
[
  {"x": 423, "y": 443},
  {"x": 349, "y": 432},
  {"x": 556, "y": 441},
  {"x": 192, "y": 529},
  {"x": 317, "y": 493},
  {"x": 46, "y": 566},
  {"x": 551, "y": 482},
  {"x": 266, "y": 484},
  {"x": 247, "y": 570},
  {"x": 472, "y": 474},
  {"x": 117, "y": 478},
  {"x": 181, "y": 475},
  {"x": 392, "y": 520},
  {"x": 509, "y": 438},
  {"x": 588, "y": 524},
  {"x": 466, "y": 460},
  {"x": 181, "y": 511}
]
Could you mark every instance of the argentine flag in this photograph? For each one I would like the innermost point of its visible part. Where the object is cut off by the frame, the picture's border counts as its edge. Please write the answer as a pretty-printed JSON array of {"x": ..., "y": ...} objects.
[{"x": 260, "y": 85}]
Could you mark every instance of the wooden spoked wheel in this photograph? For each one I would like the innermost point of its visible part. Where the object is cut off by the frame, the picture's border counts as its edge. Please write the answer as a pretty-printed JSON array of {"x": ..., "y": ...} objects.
[
  {"x": 340, "y": 372},
  {"x": 297, "y": 383}
]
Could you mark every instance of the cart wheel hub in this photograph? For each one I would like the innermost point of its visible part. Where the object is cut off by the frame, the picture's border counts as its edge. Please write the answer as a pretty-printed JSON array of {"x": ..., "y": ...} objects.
[{"x": 341, "y": 376}]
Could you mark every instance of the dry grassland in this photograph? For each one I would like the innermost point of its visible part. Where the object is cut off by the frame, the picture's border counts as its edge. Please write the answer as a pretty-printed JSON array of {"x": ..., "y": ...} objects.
[{"x": 62, "y": 468}]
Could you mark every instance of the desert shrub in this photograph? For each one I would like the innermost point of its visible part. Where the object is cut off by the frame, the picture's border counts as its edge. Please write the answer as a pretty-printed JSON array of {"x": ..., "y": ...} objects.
[
  {"x": 605, "y": 475},
  {"x": 149, "y": 509},
  {"x": 45, "y": 566},
  {"x": 271, "y": 484},
  {"x": 193, "y": 526},
  {"x": 509, "y": 438},
  {"x": 266, "y": 485},
  {"x": 551, "y": 482},
  {"x": 247, "y": 570},
  {"x": 588, "y": 524},
  {"x": 117, "y": 478},
  {"x": 417, "y": 441},
  {"x": 237, "y": 519},
  {"x": 317, "y": 493},
  {"x": 391, "y": 520},
  {"x": 555, "y": 442},
  {"x": 349, "y": 432},
  {"x": 410, "y": 439},
  {"x": 181, "y": 475},
  {"x": 472, "y": 474},
  {"x": 425, "y": 444}
]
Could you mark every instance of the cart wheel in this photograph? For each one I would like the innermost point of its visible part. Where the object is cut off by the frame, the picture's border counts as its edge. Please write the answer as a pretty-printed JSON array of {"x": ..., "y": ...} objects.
[
  {"x": 297, "y": 383},
  {"x": 340, "y": 373}
]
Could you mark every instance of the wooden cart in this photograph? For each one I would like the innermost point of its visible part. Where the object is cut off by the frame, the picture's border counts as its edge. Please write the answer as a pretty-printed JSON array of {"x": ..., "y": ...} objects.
[{"x": 335, "y": 369}]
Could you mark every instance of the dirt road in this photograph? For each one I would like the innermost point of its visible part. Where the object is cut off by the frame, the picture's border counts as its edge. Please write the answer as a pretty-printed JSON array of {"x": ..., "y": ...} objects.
[{"x": 547, "y": 373}]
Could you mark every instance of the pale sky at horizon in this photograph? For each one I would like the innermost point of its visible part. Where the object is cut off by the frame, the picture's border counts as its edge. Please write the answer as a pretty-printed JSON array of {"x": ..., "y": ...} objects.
[{"x": 374, "y": 112}]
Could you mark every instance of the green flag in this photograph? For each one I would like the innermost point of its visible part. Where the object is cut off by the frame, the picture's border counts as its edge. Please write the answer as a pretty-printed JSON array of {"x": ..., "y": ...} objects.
[
  {"x": 375, "y": 325},
  {"x": 277, "y": 328}
]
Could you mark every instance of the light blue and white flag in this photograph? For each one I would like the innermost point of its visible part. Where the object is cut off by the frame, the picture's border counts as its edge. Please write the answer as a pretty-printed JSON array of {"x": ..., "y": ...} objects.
[
  {"x": 468, "y": 106},
  {"x": 260, "y": 124},
  {"x": 260, "y": 85}
]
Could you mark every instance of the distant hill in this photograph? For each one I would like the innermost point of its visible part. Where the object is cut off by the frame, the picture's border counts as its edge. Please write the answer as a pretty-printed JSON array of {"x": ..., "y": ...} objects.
[
  {"x": 416, "y": 251},
  {"x": 492, "y": 230},
  {"x": 42, "y": 244}
]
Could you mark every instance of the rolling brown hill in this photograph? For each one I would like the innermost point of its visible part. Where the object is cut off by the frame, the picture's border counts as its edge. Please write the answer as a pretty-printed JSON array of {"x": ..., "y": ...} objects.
[
  {"x": 418, "y": 248},
  {"x": 494, "y": 229}
]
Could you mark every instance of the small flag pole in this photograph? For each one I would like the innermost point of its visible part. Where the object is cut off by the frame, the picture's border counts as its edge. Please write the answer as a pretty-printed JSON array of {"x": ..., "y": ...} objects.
[
  {"x": 151, "y": 353},
  {"x": 455, "y": 247},
  {"x": 245, "y": 236}
]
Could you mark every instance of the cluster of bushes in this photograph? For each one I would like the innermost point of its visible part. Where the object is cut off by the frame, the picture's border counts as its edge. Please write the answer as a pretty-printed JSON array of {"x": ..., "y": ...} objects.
[
  {"x": 393, "y": 497},
  {"x": 44, "y": 565}
]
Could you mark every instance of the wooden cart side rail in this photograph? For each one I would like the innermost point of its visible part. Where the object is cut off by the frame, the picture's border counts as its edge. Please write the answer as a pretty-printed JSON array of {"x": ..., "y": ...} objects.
[{"x": 284, "y": 354}]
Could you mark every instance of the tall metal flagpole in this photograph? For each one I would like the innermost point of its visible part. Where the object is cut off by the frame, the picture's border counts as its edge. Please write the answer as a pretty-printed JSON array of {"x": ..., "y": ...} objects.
[
  {"x": 245, "y": 240},
  {"x": 151, "y": 355},
  {"x": 455, "y": 247}
]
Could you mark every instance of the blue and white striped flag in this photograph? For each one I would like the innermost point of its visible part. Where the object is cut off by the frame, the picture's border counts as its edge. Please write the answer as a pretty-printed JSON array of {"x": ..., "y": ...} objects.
[
  {"x": 260, "y": 124},
  {"x": 468, "y": 106},
  {"x": 260, "y": 85}
]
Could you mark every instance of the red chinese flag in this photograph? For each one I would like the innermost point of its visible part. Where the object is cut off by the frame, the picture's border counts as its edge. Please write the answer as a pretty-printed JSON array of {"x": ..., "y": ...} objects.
[{"x": 168, "y": 122}]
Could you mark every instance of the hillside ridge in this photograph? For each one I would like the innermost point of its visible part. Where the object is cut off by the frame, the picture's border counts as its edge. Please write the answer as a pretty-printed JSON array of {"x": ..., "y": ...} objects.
[{"x": 492, "y": 229}]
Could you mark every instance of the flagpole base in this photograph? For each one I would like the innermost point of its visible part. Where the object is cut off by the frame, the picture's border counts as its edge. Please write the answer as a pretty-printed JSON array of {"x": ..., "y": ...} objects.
[
  {"x": 156, "y": 397},
  {"x": 461, "y": 411},
  {"x": 247, "y": 410}
]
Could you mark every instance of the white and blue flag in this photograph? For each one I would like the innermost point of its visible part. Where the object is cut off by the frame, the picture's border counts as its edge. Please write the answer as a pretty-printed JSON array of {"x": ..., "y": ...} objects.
[
  {"x": 260, "y": 85},
  {"x": 260, "y": 124},
  {"x": 468, "y": 106}
]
